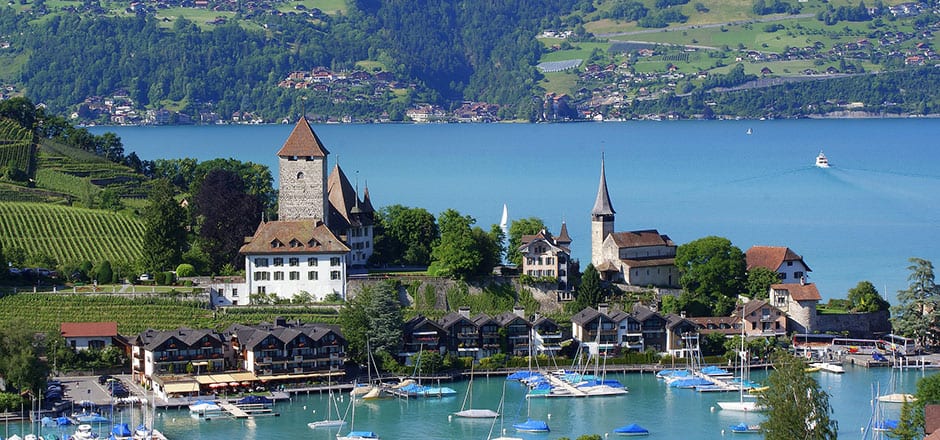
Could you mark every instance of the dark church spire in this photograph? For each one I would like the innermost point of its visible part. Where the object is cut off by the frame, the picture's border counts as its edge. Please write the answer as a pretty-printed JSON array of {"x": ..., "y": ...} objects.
[{"x": 602, "y": 206}]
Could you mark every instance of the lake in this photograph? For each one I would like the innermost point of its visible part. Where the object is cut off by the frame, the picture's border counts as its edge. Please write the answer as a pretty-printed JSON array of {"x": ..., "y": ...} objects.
[
  {"x": 669, "y": 413},
  {"x": 859, "y": 220}
]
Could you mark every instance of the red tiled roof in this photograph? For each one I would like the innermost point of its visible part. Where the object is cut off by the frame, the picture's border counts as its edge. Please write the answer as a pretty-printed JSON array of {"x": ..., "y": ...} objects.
[
  {"x": 87, "y": 329},
  {"x": 771, "y": 257},
  {"x": 799, "y": 292},
  {"x": 649, "y": 237},
  {"x": 303, "y": 142},
  {"x": 653, "y": 262},
  {"x": 294, "y": 237}
]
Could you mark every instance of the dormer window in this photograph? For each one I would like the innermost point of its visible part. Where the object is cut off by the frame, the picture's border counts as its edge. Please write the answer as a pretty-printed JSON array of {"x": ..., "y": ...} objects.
[
  {"x": 313, "y": 242},
  {"x": 277, "y": 244},
  {"x": 294, "y": 243}
]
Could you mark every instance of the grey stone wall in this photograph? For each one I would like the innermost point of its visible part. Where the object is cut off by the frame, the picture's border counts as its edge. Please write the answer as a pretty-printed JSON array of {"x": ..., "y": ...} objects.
[
  {"x": 859, "y": 325},
  {"x": 302, "y": 198}
]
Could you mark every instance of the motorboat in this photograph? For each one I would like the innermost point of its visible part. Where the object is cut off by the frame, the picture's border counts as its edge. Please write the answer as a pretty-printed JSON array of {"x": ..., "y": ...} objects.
[
  {"x": 822, "y": 161},
  {"x": 744, "y": 428},
  {"x": 84, "y": 432},
  {"x": 829, "y": 367}
]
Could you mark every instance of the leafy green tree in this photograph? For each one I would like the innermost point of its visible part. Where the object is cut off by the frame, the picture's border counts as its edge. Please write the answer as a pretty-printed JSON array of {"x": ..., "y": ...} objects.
[
  {"x": 911, "y": 423},
  {"x": 865, "y": 298},
  {"x": 917, "y": 311},
  {"x": 712, "y": 271},
  {"x": 456, "y": 254},
  {"x": 404, "y": 236},
  {"x": 19, "y": 356},
  {"x": 110, "y": 199},
  {"x": 759, "y": 280},
  {"x": 164, "y": 229},
  {"x": 185, "y": 270},
  {"x": 798, "y": 408},
  {"x": 518, "y": 228},
  {"x": 105, "y": 274}
]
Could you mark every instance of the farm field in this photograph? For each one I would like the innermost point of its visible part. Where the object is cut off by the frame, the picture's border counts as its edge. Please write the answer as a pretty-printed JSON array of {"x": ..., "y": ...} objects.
[{"x": 70, "y": 234}]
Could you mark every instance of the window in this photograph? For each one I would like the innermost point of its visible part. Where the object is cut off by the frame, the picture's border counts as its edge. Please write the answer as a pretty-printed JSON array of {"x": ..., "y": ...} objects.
[
  {"x": 278, "y": 276},
  {"x": 262, "y": 276},
  {"x": 789, "y": 263},
  {"x": 312, "y": 261},
  {"x": 262, "y": 289},
  {"x": 334, "y": 275},
  {"x": 797, "y": 275},
  {"x": 234, "y": 293},
  {"x": 783, "y": 276},
  {"x": 261, "y": 262},
  {"x": 312, "y": 275},
  {"x": 278, "y": 261},
  {"x": 294, "y": 275},
  {"x": 293, "y": 261},
  {"x": 334, "y": 261}
]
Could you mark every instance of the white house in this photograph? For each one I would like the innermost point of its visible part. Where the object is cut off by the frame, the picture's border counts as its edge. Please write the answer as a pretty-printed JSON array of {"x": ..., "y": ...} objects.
[
  {"x": 789, "y": 265},
  {"x": 88, "y": 335}
]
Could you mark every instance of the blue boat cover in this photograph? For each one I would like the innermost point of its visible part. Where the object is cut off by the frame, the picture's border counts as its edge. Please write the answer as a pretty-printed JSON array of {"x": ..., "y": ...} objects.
[
  {"x": 519, "y": 375},
  {"x": 878, "y": 357},
  {"x": 253, "y": 399},
  {"x": 887, "y": 424},
  {"x": 361, "y": 434},
  {"x": 532, "y": 426},
  {"x": 632, "y": 428},
  {"x": 121, "y": 430}
]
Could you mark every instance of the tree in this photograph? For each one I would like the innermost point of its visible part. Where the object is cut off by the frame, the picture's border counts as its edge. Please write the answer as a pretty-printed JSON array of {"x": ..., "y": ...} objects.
[
  {"x": 518, "y": 228},
  {"x": 590, "y": 292},
  {"x": 911, "y": 423},
  {"x": 917, "y": 310},
  {"x": 226, "y": 214},
  {"x": 19, "y": 356},
  {"x": 759, "y": 280},
  {"x": 712, "y": 271},
  {"x": 865, "y": 298},
  {"x": 404, "y": 236},
  {"x": 105, "y": 274},
  {"x": 164, "y": 229},
  {"x": 456, "y": 254},
  {"x": 798, "y": 408},
  {"x": 110, "y": 199},
  {"x": 374, "y": 316}
]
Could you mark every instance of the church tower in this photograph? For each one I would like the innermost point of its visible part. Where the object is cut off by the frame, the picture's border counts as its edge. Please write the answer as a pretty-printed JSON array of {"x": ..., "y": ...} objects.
[
  {"x": 302, "y": 176},
  {"x": 602, "y": 220}
]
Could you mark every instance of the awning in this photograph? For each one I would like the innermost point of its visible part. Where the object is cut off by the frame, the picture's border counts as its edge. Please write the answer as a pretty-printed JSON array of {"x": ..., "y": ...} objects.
[
  {"x": 181, "y": 387},
  {"x": 299, "y": 376}
]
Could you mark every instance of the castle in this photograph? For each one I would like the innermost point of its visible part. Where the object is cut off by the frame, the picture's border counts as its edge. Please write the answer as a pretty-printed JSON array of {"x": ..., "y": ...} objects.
[{"x": 323, "y": 229}]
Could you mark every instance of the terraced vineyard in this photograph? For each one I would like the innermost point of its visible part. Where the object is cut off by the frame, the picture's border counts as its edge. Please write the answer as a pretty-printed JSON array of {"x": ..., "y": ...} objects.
[
  {"x": 70, "y": 234},
  {"x": 16, "y": 146},
  {"x": 135, "y": 313},
  {"x": 62, "y": 166}
]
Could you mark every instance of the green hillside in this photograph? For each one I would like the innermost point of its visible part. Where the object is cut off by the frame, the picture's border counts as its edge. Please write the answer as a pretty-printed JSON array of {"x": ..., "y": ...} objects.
[
  {"x": 70, "y": 234},
  {"x": 16, "y": 147}
]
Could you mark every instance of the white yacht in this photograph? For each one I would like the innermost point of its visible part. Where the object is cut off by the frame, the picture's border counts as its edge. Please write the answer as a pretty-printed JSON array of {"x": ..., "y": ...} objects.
[{"x": 822, "y": 161}]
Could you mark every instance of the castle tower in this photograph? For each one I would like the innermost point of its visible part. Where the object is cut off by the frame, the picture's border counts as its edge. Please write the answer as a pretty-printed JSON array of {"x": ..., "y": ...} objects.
[
  {"x": 302, "y": 176},
  {"x": 602, "y": 219}
]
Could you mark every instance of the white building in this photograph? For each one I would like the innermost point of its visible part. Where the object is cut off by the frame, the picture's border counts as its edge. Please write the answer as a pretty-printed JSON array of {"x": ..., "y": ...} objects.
[{"x": 789, "y": 265}]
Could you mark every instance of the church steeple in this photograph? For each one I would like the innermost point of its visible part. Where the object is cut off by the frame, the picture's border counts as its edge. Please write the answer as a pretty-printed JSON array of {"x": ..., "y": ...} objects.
[
  {"x": 602, "y": 206},
  {"x": 602, "y": 220}
]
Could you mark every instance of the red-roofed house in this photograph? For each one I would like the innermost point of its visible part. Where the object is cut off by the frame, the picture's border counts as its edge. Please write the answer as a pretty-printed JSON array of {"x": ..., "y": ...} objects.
[
  {"x": 88, "y": 335},
  {"x": 798, "y": 301},
  {"x": 788, "y": 264}
]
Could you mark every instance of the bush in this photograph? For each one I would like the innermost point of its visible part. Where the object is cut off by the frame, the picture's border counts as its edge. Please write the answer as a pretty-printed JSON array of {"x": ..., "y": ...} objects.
[{"x": 185, "y": 270}]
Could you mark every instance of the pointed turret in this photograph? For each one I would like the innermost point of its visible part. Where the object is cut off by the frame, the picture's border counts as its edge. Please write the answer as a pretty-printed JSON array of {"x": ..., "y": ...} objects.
[
  {"x": 563, "y": 239},
  {"x": 602, "y": 206},
  {"x": 367, "y": 201}
]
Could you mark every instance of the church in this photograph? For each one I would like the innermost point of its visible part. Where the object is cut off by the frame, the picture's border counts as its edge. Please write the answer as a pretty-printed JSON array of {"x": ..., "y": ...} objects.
[
  {"x": 323, "y": 229},
  {"x": 637, "y": 258}
]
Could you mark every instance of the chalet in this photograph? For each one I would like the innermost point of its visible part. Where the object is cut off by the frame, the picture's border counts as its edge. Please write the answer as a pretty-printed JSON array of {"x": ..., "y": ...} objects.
[
  {"x": 489, "y": 335},
  {"x": 422, "y": 334},
  {"x": 517, "y": 332},
  {"x": 287, "y": 350},
  {"x": 89, "y": 335},
  {"x": 546, "y": 336},
  {"x": 762, "y": 319},
  {"x": 463, "y": 335},
  {"x": 169, "y": 353}
]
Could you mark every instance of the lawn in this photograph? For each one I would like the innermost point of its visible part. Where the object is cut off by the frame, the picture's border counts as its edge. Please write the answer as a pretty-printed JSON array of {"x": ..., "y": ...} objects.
[{"x": 559, "y": 82}]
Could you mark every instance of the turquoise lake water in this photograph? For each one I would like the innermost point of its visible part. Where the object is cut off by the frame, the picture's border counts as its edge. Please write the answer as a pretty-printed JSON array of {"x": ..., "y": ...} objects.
[
  {"x": 668, "y": 413},
  {"x": 859, "y": 220}
]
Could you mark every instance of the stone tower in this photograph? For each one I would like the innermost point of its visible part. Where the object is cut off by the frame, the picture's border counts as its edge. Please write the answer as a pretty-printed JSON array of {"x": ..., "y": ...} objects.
[
  {"x": 302, "y": 176},
  {"x": 602, "y": 220}
]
